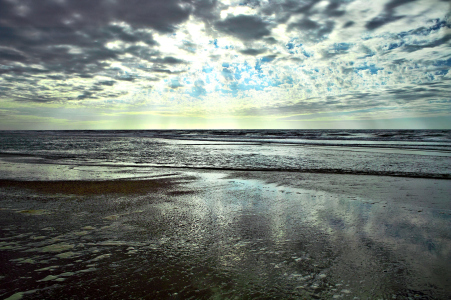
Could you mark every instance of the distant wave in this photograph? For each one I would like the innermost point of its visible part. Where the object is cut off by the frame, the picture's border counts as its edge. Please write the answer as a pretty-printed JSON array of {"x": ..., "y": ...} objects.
[{"x": 332, "y": 134}]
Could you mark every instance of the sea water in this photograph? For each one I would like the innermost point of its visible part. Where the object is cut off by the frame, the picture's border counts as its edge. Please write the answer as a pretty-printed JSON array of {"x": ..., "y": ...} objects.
[{"x": 413, "y": 153}]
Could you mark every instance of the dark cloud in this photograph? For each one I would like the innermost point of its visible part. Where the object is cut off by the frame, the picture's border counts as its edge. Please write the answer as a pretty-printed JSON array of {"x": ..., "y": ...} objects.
[
  {"x": 139, "y": 51},
  {"x": 407, "y": 96},
  {"x": 436, "y": 24},
  {"x": 206, "y": 9},
  {"x": 422, "y": 37},
  {"x": 75, "y": 32},
  {"x": 70, "y": 38},
  {"x": 115, "y": 32},
  {"x": 295, "y": 59},
  {"x": 251, "y": 3},
  {"x": 244, "y": 27},
  {"x": 387, "y": 16},
  {"x": 317, "y": 105},
  {"x": 399, "y": 61},
  {"x": 56, "y": 77},
  {"x": 336, "y": 49},
  {"x": 270, "y": 40},
  {"x": 86, "y": 76},
  {"x": 311, "y": 30},
  {"x": 58, "y": 50},
  {"x": 382, "y": 20},
  {"x": 107, "y": 83},
  {"x": 269, "y": 58},
  {"x": 125, "y": 78},
  {"x": 162, "y": 15},
  {"x": 348, "y": 24},
  {"x": 304, "y": 24},
  {"x": 390, "y": 6},
  {"x": 71, "y": 52},
  {"x": 285, "y": 9},
  {"x": 24, "y": 88},
  {"x": 436, "y": 43},
  {"x": 253, "y": 52},
  {"x": 169, "y": 60},
  {"x": 332, "y": 10},
  {"x": 425, "y": 91},
  {"x": 86, "y": 95},
  {"x": 305, "y": 12},
  {"x": 189, "y": 47},
  {"x": 7, "y": 55},
  {"x": 167, "y": 71}
]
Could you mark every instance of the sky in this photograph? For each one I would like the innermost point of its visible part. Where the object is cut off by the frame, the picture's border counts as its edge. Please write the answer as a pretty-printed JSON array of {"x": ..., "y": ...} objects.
[{"x": 207, "y": 64}]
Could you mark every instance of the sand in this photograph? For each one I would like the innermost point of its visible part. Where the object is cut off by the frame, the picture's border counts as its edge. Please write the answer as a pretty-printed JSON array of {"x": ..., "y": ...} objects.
[{"x": 99, "y": 187}]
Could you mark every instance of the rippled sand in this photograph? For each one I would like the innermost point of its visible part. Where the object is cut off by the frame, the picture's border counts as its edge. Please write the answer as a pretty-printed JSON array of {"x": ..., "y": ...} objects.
[{"x": 205, "y": 235}]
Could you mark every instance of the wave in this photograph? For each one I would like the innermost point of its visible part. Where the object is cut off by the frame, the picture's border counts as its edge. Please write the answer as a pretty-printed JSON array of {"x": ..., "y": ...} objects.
[{"x": 317, "y": 134}]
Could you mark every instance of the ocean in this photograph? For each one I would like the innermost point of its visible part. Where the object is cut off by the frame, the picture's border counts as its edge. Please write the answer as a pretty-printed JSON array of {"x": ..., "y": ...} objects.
[
  {"x": 225, "y": 214},
  {"x": 410, "y": 153}
]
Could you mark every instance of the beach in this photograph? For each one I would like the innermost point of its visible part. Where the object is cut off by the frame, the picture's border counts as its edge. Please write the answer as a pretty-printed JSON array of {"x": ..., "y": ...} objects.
[
  {"x": 223, "y": 235},
  {"x": 77, "y": 226}
]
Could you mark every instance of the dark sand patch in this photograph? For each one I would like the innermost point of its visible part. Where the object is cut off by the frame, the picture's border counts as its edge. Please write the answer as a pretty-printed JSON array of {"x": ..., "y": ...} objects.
[
  {"x": 33, "y": 212},
  {"x": 180, "y": 193},
  {"x": 85, "y": 188}
]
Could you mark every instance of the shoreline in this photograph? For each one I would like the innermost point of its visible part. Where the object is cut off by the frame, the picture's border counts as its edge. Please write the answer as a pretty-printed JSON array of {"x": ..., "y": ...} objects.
[
  {"x": 362, "y": 185},
  {"x": 153, "y": 168}
]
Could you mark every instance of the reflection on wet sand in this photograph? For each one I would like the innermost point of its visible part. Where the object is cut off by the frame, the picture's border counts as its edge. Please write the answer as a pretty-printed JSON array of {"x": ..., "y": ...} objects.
[{"x": 234, "y": 235}]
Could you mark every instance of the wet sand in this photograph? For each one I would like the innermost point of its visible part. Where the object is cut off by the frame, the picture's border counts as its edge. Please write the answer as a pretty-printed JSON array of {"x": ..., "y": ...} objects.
[
  {"x": 84, "y": 188},
  {"x": 224, "y": 235}
]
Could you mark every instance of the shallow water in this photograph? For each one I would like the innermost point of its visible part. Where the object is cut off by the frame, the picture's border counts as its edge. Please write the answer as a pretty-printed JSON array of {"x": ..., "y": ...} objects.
[
  {"x": 244, "y": 235},
  {"x": 416, "y": 153}
]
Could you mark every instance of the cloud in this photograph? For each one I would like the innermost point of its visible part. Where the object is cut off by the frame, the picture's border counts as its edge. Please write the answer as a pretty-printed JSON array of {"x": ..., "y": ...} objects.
[
  {"x": 206, "y": 9},
  {"x": 388, "y": 14},
  {"x": 162, "y": 15},
  {"x": 198, "y": 89},
  {"x": 436, "y": 43},
  {"x": 75, "y": 33},
  {"x": 249, "y": 58},
  {"x": 8, "y": 54},
  {"x": 348, "y": 24},
  {"x": 312, "y": 31},
  {"x": 332, "y": 9},
  {"x": 253, "y": 52},
  {"x": 243, "y": 27},
  {"x": 168, "y": 60},
  {"x": 83, "y": 39}
]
